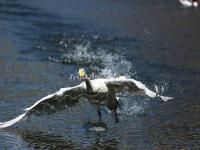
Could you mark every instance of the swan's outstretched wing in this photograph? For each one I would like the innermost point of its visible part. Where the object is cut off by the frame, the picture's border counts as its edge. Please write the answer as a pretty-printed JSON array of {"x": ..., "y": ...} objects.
[
  {"x": 58, "y": 101},
  {"x": 50, "y": 104},
  {"x": 133, "y": 86}
]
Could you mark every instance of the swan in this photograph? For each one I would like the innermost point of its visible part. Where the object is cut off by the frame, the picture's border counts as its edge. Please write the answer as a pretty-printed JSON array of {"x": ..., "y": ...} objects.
[
  {"x": 99, "y": 92},
  {"x": 189, "y": 3}
]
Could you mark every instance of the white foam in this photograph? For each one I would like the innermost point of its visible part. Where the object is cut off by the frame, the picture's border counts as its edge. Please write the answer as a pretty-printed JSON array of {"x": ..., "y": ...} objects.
[{"x": 106, "y": 63}]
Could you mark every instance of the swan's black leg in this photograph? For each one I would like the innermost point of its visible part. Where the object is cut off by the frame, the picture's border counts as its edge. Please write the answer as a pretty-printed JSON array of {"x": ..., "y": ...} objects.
[
  {"x": 99, "y": 114},
  {"x": 112, "y": 104},
  {"x": 115, "y": 116}
]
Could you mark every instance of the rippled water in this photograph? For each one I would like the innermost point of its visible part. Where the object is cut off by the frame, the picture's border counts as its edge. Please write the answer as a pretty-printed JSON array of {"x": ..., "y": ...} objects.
[{"x": 43, "y": 42}]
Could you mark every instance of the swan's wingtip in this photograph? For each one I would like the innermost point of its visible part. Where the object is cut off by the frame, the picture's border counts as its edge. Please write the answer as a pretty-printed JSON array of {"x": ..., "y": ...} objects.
[{"x": 11, "y": 122}]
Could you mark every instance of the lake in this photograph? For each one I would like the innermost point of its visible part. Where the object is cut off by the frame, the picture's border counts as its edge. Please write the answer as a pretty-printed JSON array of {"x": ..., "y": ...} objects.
[{"x": 44, "y": 42}]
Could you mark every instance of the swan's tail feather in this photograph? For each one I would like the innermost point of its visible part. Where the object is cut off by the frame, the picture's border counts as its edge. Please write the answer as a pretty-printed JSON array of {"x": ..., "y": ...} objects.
[{"x": 11, "y": 122}]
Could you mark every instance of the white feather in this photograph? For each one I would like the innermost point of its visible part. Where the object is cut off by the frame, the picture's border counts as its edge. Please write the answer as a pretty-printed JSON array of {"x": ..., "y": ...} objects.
[
  {"x": 11, "y": 122},
  {"x": 99, "y": 85}
]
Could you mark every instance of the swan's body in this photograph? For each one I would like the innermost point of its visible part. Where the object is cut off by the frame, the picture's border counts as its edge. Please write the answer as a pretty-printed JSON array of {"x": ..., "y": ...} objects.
[
  {"x": 189, "y": 3},
  {"x": 101, "y": 92},
  {"x": 99, "y": 86}
]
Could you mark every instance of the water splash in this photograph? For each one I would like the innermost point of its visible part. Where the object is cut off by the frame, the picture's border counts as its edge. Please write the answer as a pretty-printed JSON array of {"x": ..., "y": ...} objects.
[
  {"x": 103, "y": 62},
  {"x": 131, "y": 104}
]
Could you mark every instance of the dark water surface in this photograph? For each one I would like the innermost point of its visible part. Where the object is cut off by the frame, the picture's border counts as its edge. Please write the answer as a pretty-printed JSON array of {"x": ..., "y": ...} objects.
[{"x": 43, "y": 42}]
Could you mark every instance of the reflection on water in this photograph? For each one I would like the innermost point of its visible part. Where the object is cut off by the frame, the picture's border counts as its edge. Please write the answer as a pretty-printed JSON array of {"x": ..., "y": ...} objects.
[
  {"x": 42, "y": 141},
  {"x": 43, "y": 42},
  {"x": 39, "y": 140}
]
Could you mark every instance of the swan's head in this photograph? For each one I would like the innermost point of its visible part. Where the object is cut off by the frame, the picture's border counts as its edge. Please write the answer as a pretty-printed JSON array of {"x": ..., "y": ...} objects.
[
  {"x": 195, "y": 4},
  {"x": 82, "y": 73}
]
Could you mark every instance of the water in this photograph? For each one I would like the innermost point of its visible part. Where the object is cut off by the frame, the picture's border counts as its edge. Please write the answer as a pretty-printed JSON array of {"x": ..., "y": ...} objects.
[{"x": 43, "y": 42}]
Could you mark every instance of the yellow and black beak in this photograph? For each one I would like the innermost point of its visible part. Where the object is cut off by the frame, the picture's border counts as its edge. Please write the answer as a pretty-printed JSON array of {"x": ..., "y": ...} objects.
[{"x": 82, "y": 72}]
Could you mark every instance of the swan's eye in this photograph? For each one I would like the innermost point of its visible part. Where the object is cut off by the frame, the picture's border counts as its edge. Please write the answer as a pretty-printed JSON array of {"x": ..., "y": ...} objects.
[{"x": 81, "y": 72}]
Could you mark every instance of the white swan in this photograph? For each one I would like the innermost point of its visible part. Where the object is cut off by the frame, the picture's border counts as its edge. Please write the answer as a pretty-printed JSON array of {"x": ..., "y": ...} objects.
[
  {"x": 189, "y": 3},
  {"x": 98, "y": 92}
]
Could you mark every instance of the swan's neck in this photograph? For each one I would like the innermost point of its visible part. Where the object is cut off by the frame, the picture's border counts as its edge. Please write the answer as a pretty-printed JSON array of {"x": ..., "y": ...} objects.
[{"x": 88, "y": 84}]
